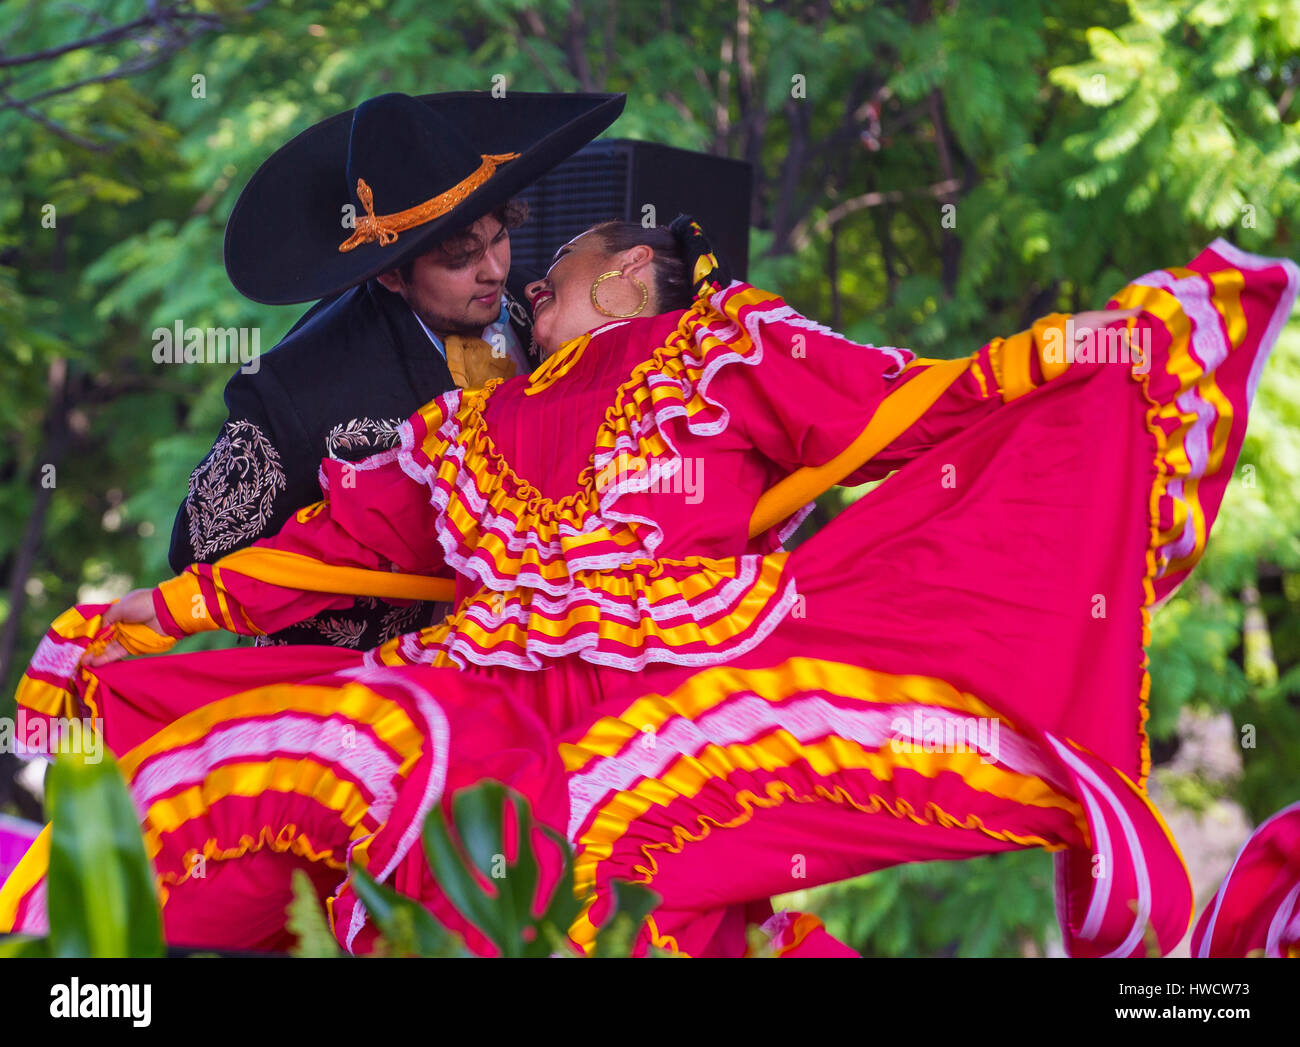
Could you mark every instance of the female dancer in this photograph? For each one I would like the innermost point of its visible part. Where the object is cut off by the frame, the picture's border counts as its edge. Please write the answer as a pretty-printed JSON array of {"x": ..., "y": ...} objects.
[{"x": 953, "y": 667}]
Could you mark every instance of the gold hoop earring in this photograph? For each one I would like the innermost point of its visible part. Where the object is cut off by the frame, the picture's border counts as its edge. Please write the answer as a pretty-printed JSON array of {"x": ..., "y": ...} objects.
[{"x": 645, "y": 295}]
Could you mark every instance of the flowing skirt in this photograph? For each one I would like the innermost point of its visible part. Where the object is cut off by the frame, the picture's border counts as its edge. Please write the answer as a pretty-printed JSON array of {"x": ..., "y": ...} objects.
[
  {"x": 1256, "y": 910},
  {"x": 963, "y": 673}
]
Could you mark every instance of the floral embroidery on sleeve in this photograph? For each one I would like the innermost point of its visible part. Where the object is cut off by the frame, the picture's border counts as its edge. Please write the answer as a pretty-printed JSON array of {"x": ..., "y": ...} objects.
[
  {"x": 360, "y": 437},
  {"x": 232, "y": 493},
  {"x": 341, "y": 631}
]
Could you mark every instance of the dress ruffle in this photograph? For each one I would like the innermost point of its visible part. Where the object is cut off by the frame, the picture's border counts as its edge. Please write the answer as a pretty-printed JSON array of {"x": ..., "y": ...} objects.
[
  {"x": 688, "y": 612},
  {"x": 1192, "y": 412}
]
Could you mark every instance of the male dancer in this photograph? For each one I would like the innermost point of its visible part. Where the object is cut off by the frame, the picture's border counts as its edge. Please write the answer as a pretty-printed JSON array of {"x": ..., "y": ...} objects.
[{"x": 397, "y": 216}]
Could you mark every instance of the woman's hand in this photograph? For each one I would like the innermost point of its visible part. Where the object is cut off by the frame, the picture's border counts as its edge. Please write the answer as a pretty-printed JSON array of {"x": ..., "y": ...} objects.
[
  {"x": 135, "y": 607},
  {"x": 1086, "y": 323}
]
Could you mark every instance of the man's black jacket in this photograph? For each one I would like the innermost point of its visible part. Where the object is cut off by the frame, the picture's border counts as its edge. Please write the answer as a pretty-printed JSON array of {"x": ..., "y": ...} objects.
[{"x": 337, "y": 385}]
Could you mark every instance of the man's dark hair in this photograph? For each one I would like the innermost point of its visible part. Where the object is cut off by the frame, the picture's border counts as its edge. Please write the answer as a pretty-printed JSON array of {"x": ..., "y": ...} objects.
[
  {"x": 467, "y": 246},
  {"x": 673, "y": 289}
]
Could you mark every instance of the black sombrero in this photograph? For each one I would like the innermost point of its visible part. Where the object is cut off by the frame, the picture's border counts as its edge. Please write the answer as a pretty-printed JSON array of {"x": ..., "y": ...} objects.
[{"x": 415, "y": 170}]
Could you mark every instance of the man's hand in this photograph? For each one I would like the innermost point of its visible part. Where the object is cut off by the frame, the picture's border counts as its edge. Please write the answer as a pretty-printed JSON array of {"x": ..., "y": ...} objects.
[{"x": 135, "y": 607}]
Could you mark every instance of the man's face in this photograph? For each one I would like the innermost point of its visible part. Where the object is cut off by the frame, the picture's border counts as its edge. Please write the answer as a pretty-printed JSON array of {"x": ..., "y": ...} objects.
[{"x": 455, "y": 294}]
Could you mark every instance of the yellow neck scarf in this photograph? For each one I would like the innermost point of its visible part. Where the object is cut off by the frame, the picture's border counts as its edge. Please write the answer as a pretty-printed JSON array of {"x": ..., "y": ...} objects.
[{"x": 472, "y": 361}]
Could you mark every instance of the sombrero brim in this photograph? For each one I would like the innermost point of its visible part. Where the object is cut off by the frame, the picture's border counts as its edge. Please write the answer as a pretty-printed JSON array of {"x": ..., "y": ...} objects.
[{"x": 284, "y": 232}]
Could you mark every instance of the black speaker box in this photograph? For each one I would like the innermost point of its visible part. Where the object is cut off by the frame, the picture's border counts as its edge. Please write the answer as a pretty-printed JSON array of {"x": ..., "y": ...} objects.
[{"x": 618, "y": 178}]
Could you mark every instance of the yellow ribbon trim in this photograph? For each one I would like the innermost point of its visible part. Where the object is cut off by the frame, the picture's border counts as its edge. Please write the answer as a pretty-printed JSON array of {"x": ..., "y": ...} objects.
[
  {"x": 711, "y": 687},
  {"x": 1010, "y": 360},
  {"x": 385, "y": 227},
  {"x": 352, "y": 701},
  {"x": 56, "y": 700},
  {"x": 296, "y": 571},
  {"x": 557, "y": 365},
  {"x": 304, "y": 574},
  {"x": 897, "y": 412},
  {"x": 31, "y": 867},
  {"x": 625, "y": 808},
  {"x": 287, "y": 840},
  {"x": 687, "y": 775},
  {"x": 300, "y": 776}
]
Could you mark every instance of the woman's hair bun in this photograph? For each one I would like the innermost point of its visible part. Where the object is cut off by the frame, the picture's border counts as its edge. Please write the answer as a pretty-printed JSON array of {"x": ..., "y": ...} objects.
[{"x": 706, "y": 270}]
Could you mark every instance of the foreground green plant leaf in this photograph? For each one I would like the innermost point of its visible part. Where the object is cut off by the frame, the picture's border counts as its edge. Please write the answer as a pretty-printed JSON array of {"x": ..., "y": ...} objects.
[
  {"x": 633, "y": 902},
  {"x": 408, "y": 928},
  {"x": 504, "y": 909},
  {"x": 17, "y": 948},
  {"x": 307, "y": 921},
  {"x": 101, "y": 894}
]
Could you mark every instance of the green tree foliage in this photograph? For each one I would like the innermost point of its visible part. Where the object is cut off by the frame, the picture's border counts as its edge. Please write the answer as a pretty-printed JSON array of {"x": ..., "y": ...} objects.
[
  {"x": 996, "y": 906},
  {"x": 927, "y": 174}
]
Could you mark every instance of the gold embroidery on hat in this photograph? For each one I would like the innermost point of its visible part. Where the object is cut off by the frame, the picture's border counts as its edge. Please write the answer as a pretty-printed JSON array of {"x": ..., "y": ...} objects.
[{"x": 385, "y": 227}]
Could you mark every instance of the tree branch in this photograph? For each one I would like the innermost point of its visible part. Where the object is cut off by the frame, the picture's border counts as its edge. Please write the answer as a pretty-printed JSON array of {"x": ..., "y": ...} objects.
[
  {"x": 803, "y": 234},
  {"x": 51, "y": 125},
  {"x": 611, "y": 42},
  {"x": 882, "y": 221},
  {"x": 539, "y": 31},
  {"x": 950, "y": 257},
  {"x": 721, "y": 116},
  {"x": 783, "y": 223},
  {"x": 121, "y": 72},
  {"x": 165, "y": 17},
  {"x": 107, "y": 37},
  {"x": 57, "y": 437},
  {"x": 674, "y": 99},
  {"x": 577, "y": 48},
  {"x": 175, "y": 35}
]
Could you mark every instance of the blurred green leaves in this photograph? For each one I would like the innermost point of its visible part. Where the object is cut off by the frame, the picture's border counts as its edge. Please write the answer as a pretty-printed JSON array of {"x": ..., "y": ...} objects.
[
  {"x": 1000, "y": 905},
  {"x": 100, "y": 889},
  {"x": 101, "y": 900},
  {"x": 498, "y": 896}
]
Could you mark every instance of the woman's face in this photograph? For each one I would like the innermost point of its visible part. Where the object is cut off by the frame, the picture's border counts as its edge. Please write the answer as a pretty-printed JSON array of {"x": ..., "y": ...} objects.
[{"x": 561, "y": 300}]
